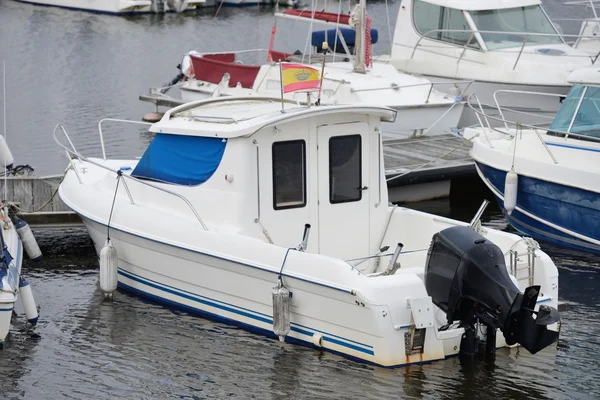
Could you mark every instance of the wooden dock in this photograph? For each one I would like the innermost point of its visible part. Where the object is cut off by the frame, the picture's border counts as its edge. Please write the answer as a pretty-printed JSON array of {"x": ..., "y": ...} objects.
[
  {"x": 38, "y": 201},
  {"x": 426, "y": 159}
]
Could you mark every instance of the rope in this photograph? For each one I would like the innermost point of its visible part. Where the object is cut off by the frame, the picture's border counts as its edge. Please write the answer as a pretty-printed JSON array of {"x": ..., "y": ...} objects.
[
  {"x": 119, "y": 174},
  {"x": 15, "y": 206},
  {"x": 368, "y": 44},
  {"x": 429, "y": 162}
]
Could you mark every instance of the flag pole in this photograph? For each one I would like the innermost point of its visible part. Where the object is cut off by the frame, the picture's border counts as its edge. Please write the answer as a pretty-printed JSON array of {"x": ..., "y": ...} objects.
[
  {"x": 325, "y": 47},
  {"x": 281, "y": 80}
]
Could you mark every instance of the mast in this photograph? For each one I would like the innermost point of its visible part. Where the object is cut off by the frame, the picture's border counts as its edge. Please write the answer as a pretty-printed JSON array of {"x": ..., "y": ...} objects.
[{"x": 359, "y": 18}]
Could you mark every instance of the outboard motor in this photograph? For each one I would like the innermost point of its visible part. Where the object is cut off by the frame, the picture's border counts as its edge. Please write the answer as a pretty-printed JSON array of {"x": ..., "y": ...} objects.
[{"x": 466, "y": 277}]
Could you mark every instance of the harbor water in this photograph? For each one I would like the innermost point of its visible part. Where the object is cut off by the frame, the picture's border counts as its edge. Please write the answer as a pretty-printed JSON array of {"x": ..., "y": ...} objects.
[{"x": 75, "y": 68}]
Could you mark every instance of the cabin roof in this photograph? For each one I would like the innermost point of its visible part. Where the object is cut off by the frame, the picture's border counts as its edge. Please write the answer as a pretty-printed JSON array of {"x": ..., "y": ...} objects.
[
  {"x": 231, "y": 117},
  {"x": 474, "y": 5},
  {"x": 589, "y": 76}
]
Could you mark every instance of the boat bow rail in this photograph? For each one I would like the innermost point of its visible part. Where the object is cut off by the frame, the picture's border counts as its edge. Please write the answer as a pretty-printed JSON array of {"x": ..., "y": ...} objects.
[
  {"x": 72, "y": 152},
  {"x": 486, "y": 127}
]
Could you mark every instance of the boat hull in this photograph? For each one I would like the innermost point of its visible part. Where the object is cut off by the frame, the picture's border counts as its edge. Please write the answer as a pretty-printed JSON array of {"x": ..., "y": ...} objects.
[
  {"x": 10, "y": 282},
  {"x": 573, "y": 209},
  {"x": 322, "y": 317}
]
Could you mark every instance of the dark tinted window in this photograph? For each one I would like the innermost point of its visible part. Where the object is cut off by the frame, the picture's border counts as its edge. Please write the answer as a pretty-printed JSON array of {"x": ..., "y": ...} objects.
[
  {"x": 345, "y": 169},
  {"x": 289, "y": 174}
]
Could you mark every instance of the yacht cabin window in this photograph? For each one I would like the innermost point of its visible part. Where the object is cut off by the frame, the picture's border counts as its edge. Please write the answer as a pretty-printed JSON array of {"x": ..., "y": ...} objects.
[
  {"x": 512, "y": 23},
  {"x": 345, "y": 175},
  {"x": 508, "y": 26},
  {"x": 450, "y": 24},
  {"x": 579, "y": 113},
  {"x": 289, "y": 174}
]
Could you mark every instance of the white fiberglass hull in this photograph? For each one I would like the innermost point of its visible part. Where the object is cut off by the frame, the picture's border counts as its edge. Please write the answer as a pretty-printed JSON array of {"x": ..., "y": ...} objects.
[
  {"x": 109, "y": 6},
  {"x": 323, "y": 316}
]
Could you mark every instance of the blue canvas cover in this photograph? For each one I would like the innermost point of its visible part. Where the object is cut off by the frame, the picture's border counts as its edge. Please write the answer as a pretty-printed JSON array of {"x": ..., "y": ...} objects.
[{"x": 181, "y": 160}]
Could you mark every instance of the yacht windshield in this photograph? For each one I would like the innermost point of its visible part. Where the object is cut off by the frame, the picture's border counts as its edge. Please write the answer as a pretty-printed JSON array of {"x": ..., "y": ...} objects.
[
  {"x": 580, "y": 112},
  {"x": 530, "y": 19}
]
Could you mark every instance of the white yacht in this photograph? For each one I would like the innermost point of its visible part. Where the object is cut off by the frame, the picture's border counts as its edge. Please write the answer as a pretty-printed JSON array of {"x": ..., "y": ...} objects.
[
  {"x": 500, "y": 44},
  {"x": 274, "y": 216},
  {"x": 350, "y": 76}
]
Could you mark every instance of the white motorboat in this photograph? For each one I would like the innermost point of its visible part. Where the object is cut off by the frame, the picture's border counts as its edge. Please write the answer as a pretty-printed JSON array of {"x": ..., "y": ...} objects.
[
  {"x": 122, "y": 6},
  {"x": 501, "y": 45},
  {"x": 210, "y": 217},
  {"x": 349, "y": 77},
  {"x": 545, "y": 179}
]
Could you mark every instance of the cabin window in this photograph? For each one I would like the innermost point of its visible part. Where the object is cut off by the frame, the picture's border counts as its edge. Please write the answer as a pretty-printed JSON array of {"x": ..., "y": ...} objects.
[
  {"x": 512, "y": 23},
  {"x": 449, "y": 23},
  {"x": 345, "y": 176},
  {"x": 562, "y": 120},
  {"x": 579, "y": 113},
  {"x": 289, "y": 174}
]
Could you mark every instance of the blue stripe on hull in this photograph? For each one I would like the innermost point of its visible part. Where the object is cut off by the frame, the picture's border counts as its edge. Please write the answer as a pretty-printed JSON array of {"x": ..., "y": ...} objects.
[
  {"x": 571, "y": 208},
  {"x": 232, "y": 309}
]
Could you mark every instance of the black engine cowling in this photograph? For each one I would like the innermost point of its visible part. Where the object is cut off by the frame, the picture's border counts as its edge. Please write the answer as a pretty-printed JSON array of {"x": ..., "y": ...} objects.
[{"x": 466, "y": 277}]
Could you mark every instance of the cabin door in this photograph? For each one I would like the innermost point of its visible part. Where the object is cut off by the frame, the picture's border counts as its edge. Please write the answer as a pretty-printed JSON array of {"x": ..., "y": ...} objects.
[{"x": 343, "y": 158}]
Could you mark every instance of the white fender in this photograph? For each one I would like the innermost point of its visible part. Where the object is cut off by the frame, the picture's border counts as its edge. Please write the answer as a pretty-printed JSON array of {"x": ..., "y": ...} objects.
[
  {"x": 28, "y": 301},
  {"x": 108, "y": 269},
  {"x": 511, "y": 184},
  {"x": 29, "y": 243}
]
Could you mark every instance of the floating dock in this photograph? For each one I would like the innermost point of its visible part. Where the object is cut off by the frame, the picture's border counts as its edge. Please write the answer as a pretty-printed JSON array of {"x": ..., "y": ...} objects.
[{"x": 424, "y": 167}]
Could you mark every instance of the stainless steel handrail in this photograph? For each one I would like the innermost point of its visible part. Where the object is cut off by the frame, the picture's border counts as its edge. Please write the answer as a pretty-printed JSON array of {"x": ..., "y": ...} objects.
[
  {"x": 101, "y": 134},
  {"x": 520, "y": 92},
  {"x": 432, "y": 84},
  {"x": 526, "y": 35},
  {"x": 74, "y": 153},
  {"x": 518, "y": 125}
]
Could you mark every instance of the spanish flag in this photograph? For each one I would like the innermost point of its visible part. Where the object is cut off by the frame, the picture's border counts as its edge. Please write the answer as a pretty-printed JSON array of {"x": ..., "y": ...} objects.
[{"x": 299, "y": 77}]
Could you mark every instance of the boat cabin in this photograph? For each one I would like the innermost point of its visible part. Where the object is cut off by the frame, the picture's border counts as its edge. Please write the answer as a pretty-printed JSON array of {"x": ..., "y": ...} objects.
[
  {"x": 251, "y": 168},
  {"x": 491, "y": 40}
]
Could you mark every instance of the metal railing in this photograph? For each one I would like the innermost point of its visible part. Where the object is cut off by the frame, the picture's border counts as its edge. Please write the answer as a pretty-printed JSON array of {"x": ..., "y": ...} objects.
[
  {"x": 479, "y": 113},
  {"x": 72, "y": 152},
  {"x": 430, "y": 84},
  {"x": 474, "y": 34},
  {"x": 101, "y": 134}
]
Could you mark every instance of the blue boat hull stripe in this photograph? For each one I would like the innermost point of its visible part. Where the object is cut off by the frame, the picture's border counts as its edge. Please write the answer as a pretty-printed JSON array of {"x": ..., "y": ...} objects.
[
  {"x": 232, "y": 309},
  {"x": 566, "y": 146}
]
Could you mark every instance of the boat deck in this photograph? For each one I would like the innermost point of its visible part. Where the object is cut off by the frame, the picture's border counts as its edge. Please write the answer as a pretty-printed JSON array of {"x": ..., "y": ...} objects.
[{"x": 425, "y": 159}]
